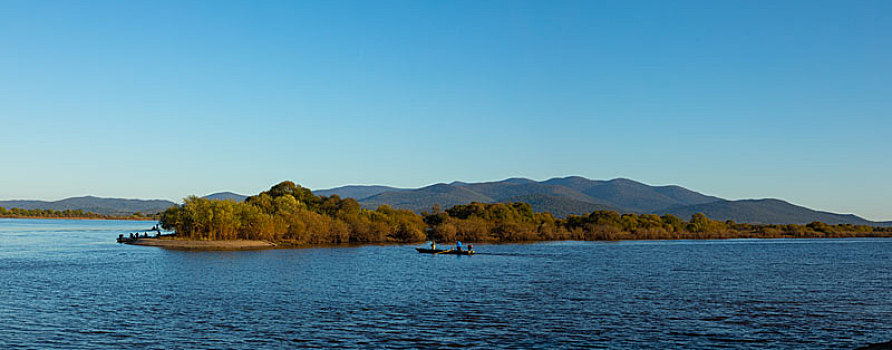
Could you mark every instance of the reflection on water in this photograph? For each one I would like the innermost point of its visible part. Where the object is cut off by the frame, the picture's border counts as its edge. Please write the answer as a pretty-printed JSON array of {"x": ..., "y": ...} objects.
[{"x": 66, "y": 284}]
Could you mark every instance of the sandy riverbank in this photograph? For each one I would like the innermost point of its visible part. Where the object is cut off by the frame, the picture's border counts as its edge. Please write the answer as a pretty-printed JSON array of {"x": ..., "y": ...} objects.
[{"x": 203, "y": 245}]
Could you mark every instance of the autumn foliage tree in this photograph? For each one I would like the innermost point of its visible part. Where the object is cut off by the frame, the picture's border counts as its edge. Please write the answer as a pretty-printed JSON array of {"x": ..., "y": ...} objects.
[{"x": 290, "y": 213}]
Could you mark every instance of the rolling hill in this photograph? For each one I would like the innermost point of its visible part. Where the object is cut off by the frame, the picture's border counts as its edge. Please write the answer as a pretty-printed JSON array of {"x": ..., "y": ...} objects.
[
  {"x": 227, "y": 195},
  {"x": 357, "y": 191},
  {"x": 109, "y": 206},
  {"x": 631, "y": 195},
  {"x": 424, "y": 198},
  {"x": 559, "y": 206},
  {"x": 105, "y": 206},
  {"x": 563, "y": 196},
  {"x": 765, "y": 211},
  {"x": 560, "y": 196}
]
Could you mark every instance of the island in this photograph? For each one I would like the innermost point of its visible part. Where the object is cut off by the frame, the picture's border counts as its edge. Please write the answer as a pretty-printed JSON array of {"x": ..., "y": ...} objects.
[{"x": 288, "y": 215}]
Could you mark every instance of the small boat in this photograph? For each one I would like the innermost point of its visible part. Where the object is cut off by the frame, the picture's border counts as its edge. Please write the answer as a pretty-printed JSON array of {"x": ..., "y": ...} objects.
[
  {"x": 444, "y": 251},
  {"x": 132, "y": 238}
]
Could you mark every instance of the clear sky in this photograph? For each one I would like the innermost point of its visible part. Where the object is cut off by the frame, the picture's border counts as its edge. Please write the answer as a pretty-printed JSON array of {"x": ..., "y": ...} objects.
[{"x": 162, "y": 99}]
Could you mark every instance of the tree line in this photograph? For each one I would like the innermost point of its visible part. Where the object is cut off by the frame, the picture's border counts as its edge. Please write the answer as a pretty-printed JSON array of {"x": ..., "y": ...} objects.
[
  {"x": 68, "y": 213},
  {"x": 289, "y": 213}
]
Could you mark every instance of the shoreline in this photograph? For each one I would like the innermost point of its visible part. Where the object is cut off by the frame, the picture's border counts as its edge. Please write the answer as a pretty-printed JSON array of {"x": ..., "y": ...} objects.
[
  {"x": 181, "y": 244},
  {"x": 236, "y": 245}
]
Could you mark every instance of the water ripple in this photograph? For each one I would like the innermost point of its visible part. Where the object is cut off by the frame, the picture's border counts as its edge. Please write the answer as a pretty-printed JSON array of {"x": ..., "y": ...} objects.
[{"x": 67, "y": 285}]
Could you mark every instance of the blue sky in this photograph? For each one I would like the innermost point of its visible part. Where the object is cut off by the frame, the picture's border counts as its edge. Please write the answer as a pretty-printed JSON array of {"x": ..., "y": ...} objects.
[{"x": 162, "y": 99}]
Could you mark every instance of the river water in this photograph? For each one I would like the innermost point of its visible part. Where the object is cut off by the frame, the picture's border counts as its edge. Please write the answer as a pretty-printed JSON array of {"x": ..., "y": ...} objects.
[{"x": 66, "y": 284}]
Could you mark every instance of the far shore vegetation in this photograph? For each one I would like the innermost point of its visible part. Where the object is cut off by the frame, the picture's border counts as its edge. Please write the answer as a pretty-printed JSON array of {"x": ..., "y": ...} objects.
[
  {"x": 289, "y": 213},
  {"x": 19, "y": 213}
]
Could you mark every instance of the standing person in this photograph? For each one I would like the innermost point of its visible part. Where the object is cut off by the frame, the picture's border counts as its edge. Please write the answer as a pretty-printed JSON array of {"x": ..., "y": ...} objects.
[
  {"x": 458, "y": 245},
  {"x": 433, "y": 245}
]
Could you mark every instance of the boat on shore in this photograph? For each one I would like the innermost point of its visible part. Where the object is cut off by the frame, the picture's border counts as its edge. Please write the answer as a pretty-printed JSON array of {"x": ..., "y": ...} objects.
[
  {"x": 133, "y": 238},
  {"x": 136, "y": 236},
  {"x": 444, "y": 251}
]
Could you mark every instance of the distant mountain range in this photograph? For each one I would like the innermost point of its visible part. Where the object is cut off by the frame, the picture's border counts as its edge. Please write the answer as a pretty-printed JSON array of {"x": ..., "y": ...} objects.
[
  {"x": 560, "y": 196},
  {"x": 770, "y": 211},
  {"x": 577, "y": 195},
  {"x": 105, "y": 206},
  {"x": 108, "y": 206}
]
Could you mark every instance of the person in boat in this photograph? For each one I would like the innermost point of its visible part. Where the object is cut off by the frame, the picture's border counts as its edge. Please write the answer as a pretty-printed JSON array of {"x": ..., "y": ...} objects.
[
  {"x": 433, "y": 245},
  {"x": 458, "y": 246},
  {"x": 470, "y": 247}
]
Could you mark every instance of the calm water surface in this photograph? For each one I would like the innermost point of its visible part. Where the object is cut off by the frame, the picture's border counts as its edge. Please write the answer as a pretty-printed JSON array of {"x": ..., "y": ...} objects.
[{"x": 66, "y": 284}]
